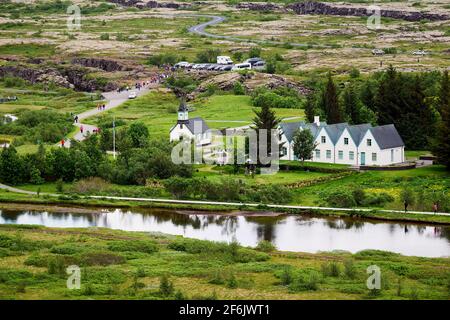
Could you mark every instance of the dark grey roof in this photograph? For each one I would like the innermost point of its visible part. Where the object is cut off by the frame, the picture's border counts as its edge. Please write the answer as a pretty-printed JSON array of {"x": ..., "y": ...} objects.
[
  {"x": 335, "y": 130},
  {"x": 289, "y": 129},
  {"x": 387, "y": 136},
  {"x": 197, "y": 124},
  {"x": 357, "y": 132}
]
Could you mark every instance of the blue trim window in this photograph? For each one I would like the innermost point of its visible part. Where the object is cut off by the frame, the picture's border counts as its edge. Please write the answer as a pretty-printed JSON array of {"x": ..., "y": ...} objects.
[
  {"x": 341, "y": 154},
  {"x": 374, "y": 157},
  {"x": 351, "y": 155},
  {"x": 328, "y": 154},
  {"x": 345, "y": 140},
  {"x": 317, "y": 153},
  {"x": 324, "y": 139},
  {"x": 369, "y": 142}
]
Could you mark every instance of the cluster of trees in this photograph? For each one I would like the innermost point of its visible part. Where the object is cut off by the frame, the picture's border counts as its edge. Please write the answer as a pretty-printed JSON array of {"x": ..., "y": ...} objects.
[
  {"x": 281, "y": 97},
  {"x": 414, "y": 103},
  {"x": 38, "y": 126},
  {"x": 139, "y": 159}
]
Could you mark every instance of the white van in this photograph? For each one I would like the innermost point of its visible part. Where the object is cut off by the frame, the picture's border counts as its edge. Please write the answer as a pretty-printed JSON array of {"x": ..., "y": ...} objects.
[
  {"x": 224, "y": 60},
  {"x": 241, "y": 66}
]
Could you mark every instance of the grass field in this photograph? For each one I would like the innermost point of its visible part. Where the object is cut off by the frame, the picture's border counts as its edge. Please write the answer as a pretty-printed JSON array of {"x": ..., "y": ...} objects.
[
  {"x": 157, "y": 110},
  {"x": 127, "y": 265}
]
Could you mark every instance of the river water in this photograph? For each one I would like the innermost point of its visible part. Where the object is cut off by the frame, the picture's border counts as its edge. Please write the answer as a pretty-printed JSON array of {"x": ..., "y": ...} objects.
[{"x": 287, "y": 232}]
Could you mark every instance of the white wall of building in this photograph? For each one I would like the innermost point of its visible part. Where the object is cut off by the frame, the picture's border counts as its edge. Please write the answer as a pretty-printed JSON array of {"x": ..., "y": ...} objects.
[
  {"x": 346, "y": 149},
  {"x": 323, "y": 147},
  {"x": 181, "y": 130}
]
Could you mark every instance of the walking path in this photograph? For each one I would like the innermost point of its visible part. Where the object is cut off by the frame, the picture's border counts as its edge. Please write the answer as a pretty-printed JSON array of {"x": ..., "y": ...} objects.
[
  {"x": 232, "y": 204},
  {"x": 114, "y": 99}
]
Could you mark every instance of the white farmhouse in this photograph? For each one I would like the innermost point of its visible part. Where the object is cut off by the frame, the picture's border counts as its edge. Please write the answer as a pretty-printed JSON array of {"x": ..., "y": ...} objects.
[
  {"x": 358, "y": 145},
  {"x": 194, "y": 129}
]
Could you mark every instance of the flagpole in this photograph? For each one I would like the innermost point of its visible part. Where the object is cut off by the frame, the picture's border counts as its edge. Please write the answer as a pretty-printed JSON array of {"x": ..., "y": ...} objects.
[{"x": 114, "y": 137}]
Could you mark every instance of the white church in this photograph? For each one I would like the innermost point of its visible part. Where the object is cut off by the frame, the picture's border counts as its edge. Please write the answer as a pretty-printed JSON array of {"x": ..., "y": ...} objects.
[
  {"x": 359, "y": 145},
  {"x": 194, "y": 129}
]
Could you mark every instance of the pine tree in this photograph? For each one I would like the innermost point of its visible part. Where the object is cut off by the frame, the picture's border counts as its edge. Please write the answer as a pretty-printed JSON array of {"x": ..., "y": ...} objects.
[
  {"x": 444, "y": 92},
  {"x": 388, "y": 99},
  {"x": 351, "y": 105},
  {"x": 310, "y": 107},
  {"x": 265, "y": 119},
  {"x": 331, "y": 103},
  {"x": 441, "y": 144}
]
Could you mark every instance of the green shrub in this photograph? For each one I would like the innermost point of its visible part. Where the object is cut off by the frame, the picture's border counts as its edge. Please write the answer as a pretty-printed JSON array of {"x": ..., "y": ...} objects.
[
  {"x": 165, "y": 286},
  {"x": 331, "y": 269},
  {"x": 305, "y": 282},
  {"x": 101, "y": 259},
  {"x": 265, "y": 246},
  {"x": 133, "y": 245},
  {"x": 66, "y": 249},
  {"x": 342, "y": 199},
  {"x": 350, "y": 269},
  {"x": 56, "y": 265},
  {"x": 286, "y": 277}
]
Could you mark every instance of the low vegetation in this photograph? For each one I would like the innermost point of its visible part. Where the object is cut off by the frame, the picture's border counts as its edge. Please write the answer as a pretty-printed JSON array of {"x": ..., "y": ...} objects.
[{"x": 127, "y": 265}]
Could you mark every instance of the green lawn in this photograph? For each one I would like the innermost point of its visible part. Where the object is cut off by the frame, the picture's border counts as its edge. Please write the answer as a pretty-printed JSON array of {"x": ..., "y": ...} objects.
[{"x": 157, "y": 110}]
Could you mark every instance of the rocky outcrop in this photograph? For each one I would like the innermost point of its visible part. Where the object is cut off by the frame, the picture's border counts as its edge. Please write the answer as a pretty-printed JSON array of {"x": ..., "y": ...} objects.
[
  {"x": 250, "y": 81},
  {"x": 75, "y": 78},
  {"x": 103, "y": 64},
  {"x": 265, "y": 7},
  {"x": 151, "y": 4},
  {"x": 326, "y": 9}
]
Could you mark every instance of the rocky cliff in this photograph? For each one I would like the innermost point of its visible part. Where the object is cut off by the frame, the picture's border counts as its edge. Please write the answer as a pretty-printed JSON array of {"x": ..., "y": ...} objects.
[
  {"x": 68, "y": 77},
  {"x": 103, "y": 64},
  {"x": 326, "y": 9}
]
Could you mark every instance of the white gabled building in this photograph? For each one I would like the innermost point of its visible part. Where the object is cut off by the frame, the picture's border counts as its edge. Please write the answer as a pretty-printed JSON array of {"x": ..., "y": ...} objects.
[
  {"x": 342, "y": 143},
  {"x": 194, "y": 129}
]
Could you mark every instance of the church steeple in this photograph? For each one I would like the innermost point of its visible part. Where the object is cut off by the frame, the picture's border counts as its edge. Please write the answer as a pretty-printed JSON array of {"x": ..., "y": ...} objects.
[{"x": 183, "y": 114}]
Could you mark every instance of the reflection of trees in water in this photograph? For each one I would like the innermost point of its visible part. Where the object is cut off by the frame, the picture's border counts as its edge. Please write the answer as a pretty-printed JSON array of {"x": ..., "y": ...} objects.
[
  {"x": 266, "y": 226},
  {"x": 13, "y": 216},
  {"x": 344, "y": 224},
  {"x": 229, "y": 224}
]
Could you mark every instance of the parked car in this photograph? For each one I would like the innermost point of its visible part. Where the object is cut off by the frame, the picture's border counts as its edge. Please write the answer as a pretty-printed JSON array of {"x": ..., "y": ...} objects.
[
  {"x": 377, "y": 52},
  {"x": 254, "y": 60},
  {"x": 226, "y": 68},
  {"x": 224, "y": 60},
  {"x": 132, "y": 95},
  {"x": 259, "y": 65},
  {"x": 211, "y": 67},
  {"x": 419, "y": 53},
  {"x": 182, "y": 64},
  {"x": 241, "y": 66}
]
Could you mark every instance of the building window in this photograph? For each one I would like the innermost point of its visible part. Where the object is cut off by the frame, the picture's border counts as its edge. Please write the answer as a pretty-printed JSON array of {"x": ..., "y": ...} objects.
[
  {"x": 345, "y": 140},
  {"x": 283, "y": 151},
  {"x": 341, "y": 154},
  {"x": 351, "y": 155},
  {"x": 328, "y": 154},
  {"x": 374, "y": 157},
  {"x": 324, "y": 139},
  {"x": 317, "y": 154},
  {"x": 369, "y": 142}
]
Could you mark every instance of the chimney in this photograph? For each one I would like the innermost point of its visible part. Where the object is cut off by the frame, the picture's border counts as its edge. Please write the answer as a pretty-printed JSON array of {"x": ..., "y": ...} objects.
[{"x": 317, "y": 120}]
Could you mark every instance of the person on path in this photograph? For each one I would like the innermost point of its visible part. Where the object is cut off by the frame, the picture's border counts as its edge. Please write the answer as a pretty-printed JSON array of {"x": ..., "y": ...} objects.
[
  {"x": 76, "y": 119},
  {"x": 81, "y": 129},
  {"x": 405, "y": 203},
  {"x": 435, "y": 207},
  {"x": 62, "y": 143}
]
